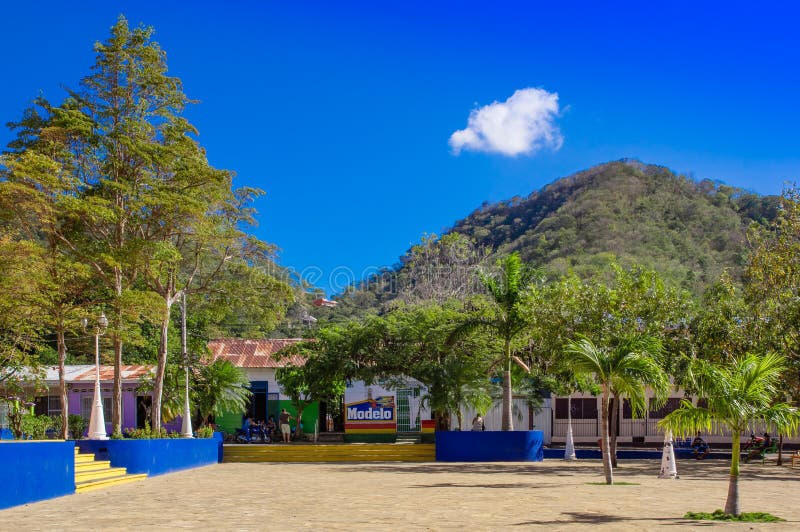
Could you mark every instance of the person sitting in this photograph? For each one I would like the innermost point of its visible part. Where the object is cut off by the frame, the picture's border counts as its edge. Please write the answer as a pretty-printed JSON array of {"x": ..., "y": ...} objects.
[
  {"x": 270, "y": 427},
  {"x": 700, "y": 447},
  {"x": 759, "y": 450}
]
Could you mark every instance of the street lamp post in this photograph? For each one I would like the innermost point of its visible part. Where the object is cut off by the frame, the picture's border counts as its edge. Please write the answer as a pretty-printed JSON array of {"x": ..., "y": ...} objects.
[
  {"x": 97, "y": 422},
  {"x": 186, "y": 428}
]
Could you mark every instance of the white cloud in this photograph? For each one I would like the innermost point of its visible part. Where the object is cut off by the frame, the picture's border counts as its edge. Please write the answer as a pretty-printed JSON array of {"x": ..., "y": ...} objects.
[{"x": 523, "y": 124}]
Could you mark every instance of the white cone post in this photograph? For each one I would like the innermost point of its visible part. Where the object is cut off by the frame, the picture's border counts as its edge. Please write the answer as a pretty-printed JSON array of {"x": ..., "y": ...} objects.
[
  {"x": 569, "y": 448},
  {"x": 668, "y": 467}
]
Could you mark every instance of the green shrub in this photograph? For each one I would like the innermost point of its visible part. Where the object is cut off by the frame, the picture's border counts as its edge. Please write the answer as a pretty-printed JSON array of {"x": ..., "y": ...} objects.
[
  {"x": 148, "y": 433},
  {"x": 747, "y": 517},
  {"x": 77, "y": 426},
  {"x": 56, "y": 423},
  {"x": 205, "y": 432},
  {"x": 35, "y": 427}
]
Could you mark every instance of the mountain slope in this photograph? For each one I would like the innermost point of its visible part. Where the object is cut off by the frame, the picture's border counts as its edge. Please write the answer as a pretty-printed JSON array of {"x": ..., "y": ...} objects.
[{"x": 689, "y": 231}]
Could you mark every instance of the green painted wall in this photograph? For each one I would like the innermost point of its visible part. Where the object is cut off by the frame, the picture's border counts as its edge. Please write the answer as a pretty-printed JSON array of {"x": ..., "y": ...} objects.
[
  {"x": 230, "y": 421},
  {"x": 310, "y": 415}
]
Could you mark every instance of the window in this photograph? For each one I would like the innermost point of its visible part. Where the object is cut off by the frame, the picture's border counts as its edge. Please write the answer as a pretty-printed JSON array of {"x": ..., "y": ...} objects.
[
  {"x": 49, "y": 405},
  {"x": 54, "y": 405},
  {"x": 581, "y": 408},
  {"x": 87, "y": 402},
  {"x": 673, "y": 403}
]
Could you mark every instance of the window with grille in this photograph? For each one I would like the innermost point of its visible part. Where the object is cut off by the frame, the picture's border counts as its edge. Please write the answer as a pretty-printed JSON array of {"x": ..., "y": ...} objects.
[
  {"x": 47, "y": 405},
  {"x": 581, "y": 408},
  {"x": 87, "y": 402},
  {"x": 672, "y": 404}
]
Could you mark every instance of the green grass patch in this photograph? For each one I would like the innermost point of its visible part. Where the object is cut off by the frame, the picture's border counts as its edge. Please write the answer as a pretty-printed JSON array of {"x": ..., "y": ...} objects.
[
  {"x": 614, "y": 484},
  {"x": 746, "y": 517}
]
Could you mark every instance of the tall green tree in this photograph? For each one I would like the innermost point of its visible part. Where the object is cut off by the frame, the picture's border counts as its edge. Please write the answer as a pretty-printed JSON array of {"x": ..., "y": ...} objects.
[
  {"x": 737, "y": 393},
  {"x": 20, "y": 322},
  {"x": 772, "y": 288},
  {"x": 315, "y": 380},
  {"x": 33, "y": 193},
  {"x": 508, "y": 320},
  {"x": 625, "y": 369}
]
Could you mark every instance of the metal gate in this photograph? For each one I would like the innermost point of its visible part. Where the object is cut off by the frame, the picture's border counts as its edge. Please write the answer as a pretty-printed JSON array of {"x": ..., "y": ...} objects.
[{"x": 408, "y": 402}]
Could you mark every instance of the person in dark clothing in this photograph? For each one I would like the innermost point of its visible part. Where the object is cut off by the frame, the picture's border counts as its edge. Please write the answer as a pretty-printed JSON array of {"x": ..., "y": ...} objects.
[{"x": 700, "y": 447}]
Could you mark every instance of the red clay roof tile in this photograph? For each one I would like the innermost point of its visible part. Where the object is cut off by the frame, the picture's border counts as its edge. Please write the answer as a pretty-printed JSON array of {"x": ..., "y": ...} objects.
[{"x": 248, "y": 353}]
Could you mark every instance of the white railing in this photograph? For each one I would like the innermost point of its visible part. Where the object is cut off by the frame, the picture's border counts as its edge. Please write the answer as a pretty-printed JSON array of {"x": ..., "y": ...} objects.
[{"x": 581, "y": 428}]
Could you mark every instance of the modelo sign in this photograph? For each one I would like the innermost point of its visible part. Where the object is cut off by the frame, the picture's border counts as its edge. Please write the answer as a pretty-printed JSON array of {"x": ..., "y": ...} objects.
[{"x": 379, "y": 410}]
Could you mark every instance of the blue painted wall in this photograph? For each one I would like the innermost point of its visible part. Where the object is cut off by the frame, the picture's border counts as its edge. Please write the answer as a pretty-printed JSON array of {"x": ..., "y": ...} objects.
[
  {"x": 35, "y": 470},
  {"x": 155, "y": 457},
  {"x": 6, "y": 434},
  {"x": 490, "y": 446}
]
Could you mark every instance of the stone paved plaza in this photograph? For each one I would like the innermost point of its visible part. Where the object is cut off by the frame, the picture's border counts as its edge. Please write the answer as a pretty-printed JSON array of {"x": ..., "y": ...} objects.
[{"x": 419, "y": 496}]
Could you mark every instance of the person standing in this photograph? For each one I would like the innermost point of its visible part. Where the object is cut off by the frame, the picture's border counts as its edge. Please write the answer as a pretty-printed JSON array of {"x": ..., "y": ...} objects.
[
  {"x": 286, "y": 429},
  {"x": 477, "y": 424}
]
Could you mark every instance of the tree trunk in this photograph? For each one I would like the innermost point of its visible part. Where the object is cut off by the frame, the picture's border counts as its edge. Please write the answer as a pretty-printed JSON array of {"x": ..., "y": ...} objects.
[
  {"x": 442, "y": 418},
  {"x": 607, "y": 469},
  {"x": 780, "y": 449},
  {"x": 158, "y": 386},
  {"x": 62, "y": 382},
  {"x": 612, "y": 430},
  {"x": 458, "y": 417},
  {"x": 298, "y": 428},
  {"x": 732, "y": 504},
  {"x": 507, "y": 421}
]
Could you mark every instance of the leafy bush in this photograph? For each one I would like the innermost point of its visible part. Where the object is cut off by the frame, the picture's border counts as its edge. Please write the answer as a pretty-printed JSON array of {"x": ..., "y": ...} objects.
[
  {"x": 148, "y": 433},
  {"x": 747, "y": 517},
  {"x": 56, "y": 425},
  {"x": 35, "y": 427},
  {"x": 77, "y": 426},
  {"x": 205, "y": 432}
]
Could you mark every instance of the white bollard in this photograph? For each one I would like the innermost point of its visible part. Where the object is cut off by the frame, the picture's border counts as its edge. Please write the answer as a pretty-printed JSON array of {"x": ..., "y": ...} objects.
[{"x": 668, "y": 467}]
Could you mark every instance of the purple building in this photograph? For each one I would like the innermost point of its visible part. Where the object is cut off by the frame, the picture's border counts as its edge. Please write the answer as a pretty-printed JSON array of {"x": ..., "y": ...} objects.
[{"x": 80, "y": 386}]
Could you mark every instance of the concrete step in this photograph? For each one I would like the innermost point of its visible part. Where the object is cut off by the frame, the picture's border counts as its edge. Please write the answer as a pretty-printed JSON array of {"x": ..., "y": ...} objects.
[
  {"x": 107, "y": 482},
  {"x": 91, "y": 474},
  {"x": 330, "y": 437},
  {"x": 84, "y": 458},
  {"x": 99, "y": 474},
  {"x": 97, "y": 465},
  {"x": 331, "y": 453}
]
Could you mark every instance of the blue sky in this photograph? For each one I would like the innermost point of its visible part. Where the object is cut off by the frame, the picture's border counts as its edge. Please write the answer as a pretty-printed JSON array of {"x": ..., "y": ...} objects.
[{"x": 343, "y": 111}]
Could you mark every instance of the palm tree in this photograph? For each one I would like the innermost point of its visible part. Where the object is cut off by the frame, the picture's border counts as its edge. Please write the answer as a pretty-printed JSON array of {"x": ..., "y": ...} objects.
[
  {"x": 627, "y": 370},
  {"x": 221, "y": 387},
  {"x": 509, "y": 321},
  {"x": 737, "y": 394}
]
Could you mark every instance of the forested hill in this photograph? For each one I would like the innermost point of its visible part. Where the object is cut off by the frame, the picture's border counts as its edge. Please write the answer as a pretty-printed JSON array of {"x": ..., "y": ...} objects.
[
  {"x": 633, "y": 213},
  {"x": 687, "y": 230}
]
